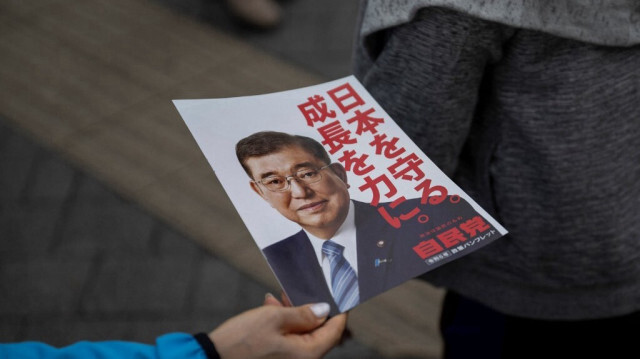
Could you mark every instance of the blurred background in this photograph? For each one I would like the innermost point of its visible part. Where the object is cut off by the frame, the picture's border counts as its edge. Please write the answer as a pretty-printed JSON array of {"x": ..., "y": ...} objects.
[{"x": 112, "y": 224}]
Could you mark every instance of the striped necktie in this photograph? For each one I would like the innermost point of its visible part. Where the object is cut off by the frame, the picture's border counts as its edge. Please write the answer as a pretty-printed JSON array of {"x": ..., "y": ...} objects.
[{"x": 344, "y": 281}]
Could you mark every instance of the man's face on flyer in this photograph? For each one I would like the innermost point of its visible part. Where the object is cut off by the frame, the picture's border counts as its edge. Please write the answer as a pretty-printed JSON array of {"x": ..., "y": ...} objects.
[{"x": 320, "y": 207}]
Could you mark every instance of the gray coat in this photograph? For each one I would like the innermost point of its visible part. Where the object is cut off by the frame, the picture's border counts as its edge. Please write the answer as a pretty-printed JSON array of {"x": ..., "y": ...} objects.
[{"x": 543, "y": 131}]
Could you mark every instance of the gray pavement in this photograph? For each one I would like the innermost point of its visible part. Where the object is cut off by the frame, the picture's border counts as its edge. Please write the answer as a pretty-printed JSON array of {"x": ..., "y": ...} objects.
[
  {"x": 77, "y": 261},
  {"x": 80, "y": 262},
  {"x": 314, "y": 35}
]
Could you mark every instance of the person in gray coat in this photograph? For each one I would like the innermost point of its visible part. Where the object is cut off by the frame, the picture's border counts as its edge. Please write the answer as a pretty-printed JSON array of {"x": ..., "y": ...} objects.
[{"x": 533, "y": 108}]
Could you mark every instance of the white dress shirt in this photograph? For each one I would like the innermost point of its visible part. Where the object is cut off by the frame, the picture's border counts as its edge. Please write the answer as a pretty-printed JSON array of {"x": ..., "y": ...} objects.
[{"x": 346, "y": 237}]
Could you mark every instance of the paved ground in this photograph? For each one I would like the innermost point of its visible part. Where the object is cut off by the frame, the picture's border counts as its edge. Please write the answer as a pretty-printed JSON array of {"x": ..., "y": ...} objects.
[
  {"x": 316, "y": 36},
  {"x": 79, "y": 262}
]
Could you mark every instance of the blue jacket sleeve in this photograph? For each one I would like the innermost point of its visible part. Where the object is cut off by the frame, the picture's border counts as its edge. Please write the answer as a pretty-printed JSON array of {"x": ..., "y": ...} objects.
[{"x": 169, "y": 346}]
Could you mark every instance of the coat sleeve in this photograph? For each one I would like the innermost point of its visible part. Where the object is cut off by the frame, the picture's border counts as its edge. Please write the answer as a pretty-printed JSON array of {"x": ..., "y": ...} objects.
[
  {"x": 169, "y": 346},
  {"x": 428, "y": 73}
]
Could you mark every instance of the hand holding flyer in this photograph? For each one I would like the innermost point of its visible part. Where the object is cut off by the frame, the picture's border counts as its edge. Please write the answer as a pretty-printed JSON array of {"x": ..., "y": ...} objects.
[{"x": 342, "y": 203}]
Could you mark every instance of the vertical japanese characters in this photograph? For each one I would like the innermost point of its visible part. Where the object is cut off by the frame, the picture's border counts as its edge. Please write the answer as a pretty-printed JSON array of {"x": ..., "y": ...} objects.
[{"x": 345, "y": 122}]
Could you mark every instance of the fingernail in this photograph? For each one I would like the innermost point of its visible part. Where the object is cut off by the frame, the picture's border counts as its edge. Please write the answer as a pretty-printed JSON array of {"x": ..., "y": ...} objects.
[
  {"x": 268, "y": 295},
  {"x": 320, "y": 310}
]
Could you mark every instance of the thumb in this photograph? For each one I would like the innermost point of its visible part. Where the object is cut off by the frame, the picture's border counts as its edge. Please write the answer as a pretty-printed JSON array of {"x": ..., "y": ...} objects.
[{"x": 304, "y": 318}]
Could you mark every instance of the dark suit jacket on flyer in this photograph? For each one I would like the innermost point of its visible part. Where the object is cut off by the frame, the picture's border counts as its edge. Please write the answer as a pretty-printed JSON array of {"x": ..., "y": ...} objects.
[{"x": 385, "y": 254}]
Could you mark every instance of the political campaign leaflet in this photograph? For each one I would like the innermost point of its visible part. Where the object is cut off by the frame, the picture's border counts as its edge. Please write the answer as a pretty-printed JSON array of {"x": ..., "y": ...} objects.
[{"x": 342, "y": 203}]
